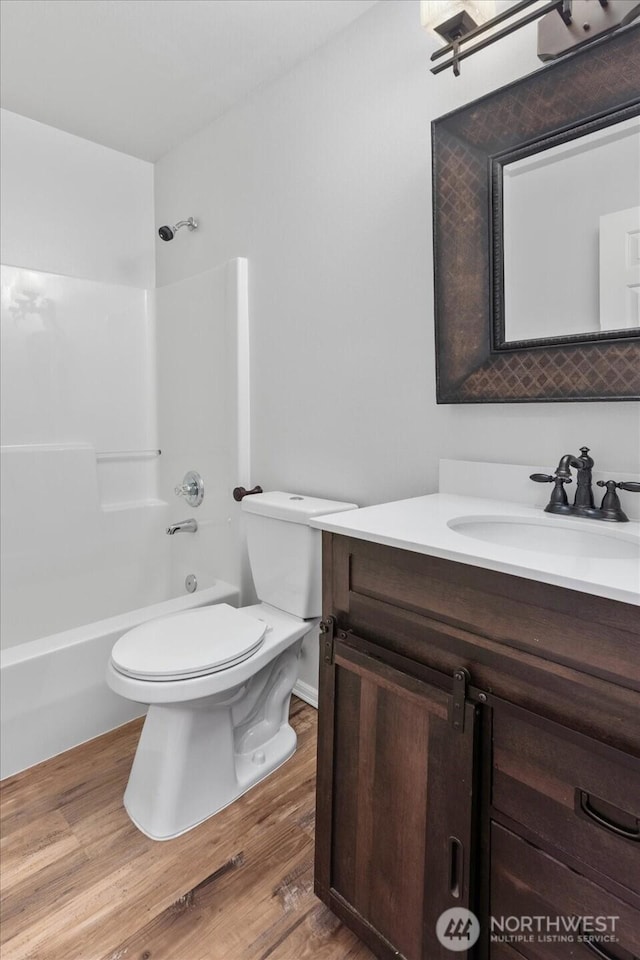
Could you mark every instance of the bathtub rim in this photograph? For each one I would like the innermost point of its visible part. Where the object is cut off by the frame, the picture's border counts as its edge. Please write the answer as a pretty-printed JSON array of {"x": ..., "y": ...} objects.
[{"x": 218, "y": 592}]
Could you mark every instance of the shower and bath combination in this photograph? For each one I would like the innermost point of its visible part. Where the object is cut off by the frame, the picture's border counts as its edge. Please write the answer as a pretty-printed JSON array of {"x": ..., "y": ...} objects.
[{"x": 168, "y": 233}]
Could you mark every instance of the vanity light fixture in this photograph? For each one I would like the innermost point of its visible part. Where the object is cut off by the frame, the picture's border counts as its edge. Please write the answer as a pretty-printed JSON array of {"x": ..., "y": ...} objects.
[
  {"x": 564, "y": 24},
  {"x": 452, "y": 20}
]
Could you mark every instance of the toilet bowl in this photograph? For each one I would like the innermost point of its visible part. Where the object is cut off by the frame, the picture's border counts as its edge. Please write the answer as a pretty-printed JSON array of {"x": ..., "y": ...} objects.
[{"x": 218, "y": 680}]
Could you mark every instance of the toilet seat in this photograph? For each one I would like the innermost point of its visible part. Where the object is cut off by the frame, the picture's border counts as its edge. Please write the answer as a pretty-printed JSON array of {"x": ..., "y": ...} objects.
[{"x": 191, "y": 644}]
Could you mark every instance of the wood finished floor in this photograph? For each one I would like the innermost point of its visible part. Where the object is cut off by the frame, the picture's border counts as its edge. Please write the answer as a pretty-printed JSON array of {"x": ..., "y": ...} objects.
[{"x": 80, "y": 882}]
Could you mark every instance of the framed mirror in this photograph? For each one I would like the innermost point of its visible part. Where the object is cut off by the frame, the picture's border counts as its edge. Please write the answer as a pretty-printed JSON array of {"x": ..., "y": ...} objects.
[{"x": 537, "y": 234}]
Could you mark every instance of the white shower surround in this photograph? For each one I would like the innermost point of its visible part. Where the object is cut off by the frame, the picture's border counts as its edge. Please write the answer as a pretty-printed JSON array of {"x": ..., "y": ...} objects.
[{"x": 84, "y": 551}]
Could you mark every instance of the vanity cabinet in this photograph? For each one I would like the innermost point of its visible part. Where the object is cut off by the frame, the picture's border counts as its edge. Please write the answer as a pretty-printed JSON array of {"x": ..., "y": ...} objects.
[{"x": 479, "y": 746}]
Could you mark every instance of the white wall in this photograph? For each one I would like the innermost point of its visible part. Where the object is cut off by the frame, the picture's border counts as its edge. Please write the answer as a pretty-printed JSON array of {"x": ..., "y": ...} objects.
[
  {"x": 82, "y": 527},
  {"x": 73, "y": 207},
  {"x": 323, "y": 181}
]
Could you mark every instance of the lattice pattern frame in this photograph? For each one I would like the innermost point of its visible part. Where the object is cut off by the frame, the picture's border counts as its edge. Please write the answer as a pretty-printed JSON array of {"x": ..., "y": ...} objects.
[{"x": 599, "y": 81}]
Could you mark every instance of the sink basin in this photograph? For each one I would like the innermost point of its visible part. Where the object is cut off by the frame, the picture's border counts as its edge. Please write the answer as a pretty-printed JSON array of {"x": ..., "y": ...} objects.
[{"x": 556, "y": 536}]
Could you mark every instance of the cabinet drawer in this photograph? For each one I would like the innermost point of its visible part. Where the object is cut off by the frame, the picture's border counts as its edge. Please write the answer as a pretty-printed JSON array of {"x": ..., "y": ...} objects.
[
  {"x": 527, "y": 883},
  {"x": 591, "y": 634},
  {"x": 573, "y": 793}
]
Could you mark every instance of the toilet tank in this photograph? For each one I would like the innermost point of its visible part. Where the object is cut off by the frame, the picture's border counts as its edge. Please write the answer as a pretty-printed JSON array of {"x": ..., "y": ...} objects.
[{"x": 285, "y": 552}]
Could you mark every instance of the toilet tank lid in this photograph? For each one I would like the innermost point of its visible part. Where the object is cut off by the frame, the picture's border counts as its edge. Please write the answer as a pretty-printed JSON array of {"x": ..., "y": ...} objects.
[{"x": 294, "y": 507}]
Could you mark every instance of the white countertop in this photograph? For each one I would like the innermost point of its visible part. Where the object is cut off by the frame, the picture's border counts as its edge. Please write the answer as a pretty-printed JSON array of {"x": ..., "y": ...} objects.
[{"x": 422, "y": 526}]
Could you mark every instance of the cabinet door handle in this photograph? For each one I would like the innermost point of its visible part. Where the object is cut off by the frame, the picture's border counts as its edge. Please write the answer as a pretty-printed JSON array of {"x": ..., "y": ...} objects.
[
  {"x": 587, "y": 808},
  {"x": 456, "y": 866}
]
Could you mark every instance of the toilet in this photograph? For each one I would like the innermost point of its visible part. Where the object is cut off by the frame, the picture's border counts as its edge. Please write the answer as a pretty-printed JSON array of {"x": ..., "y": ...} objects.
[{"x": 218, "y": 680}]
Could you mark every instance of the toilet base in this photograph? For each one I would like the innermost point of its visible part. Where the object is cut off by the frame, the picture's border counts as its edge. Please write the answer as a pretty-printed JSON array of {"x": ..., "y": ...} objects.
[
  {"x": 278, "y": 751},
  {"x": 196, "y": 757}
]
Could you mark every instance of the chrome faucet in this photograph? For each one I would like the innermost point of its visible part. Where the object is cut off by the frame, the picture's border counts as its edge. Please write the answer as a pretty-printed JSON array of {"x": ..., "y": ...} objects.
[
  {"x": 185, "y": 526},
  {"x": 584, "y": 504}
]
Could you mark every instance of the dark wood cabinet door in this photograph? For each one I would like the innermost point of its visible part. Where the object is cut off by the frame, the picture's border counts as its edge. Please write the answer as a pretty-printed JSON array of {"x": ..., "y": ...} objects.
[{"x": 395, "y": 803}]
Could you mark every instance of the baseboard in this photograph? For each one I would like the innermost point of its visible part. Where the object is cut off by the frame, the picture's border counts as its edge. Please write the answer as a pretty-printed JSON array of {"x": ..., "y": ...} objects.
[{"x": 307, "y": 693}]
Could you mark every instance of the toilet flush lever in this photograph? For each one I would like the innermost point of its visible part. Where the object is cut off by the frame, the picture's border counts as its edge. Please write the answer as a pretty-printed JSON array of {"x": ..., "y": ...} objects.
[
  {"x": 239, "y": 493},
  {"x": 191, "y": 488}
]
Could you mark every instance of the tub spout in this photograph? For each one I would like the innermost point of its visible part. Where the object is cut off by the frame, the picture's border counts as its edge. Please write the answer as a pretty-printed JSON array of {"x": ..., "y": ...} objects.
[{"x": 185, "y": 526}]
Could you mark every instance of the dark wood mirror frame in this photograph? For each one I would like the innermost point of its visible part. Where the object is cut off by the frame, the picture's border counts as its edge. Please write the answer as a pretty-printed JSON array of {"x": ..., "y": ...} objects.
[{"x": 590, "y": 89}]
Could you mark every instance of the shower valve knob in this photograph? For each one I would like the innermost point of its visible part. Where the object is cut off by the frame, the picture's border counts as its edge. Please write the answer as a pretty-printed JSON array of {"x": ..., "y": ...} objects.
[
  {"x": 191, "y": 488},
  {"x": 185, "y": 489}
]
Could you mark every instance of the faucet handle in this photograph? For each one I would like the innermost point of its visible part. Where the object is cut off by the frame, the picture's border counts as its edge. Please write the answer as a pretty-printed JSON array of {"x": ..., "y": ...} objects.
[
  {"x": 558, "y": 502},
  {"x": 611, "y": 508},
  {"x": 183, "y": 489},
  {"x": 629, "y": 485},
  {"x": 548, "y": 478},
  {"x": 191, "y": 488}
]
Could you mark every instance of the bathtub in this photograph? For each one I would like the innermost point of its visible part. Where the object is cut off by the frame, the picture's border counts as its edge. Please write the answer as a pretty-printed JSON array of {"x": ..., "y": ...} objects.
[{"x": 53, "y": 690}]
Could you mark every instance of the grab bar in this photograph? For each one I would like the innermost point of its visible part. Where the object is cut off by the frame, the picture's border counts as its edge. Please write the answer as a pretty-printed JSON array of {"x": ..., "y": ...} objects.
[{"x": 127, "y": 454}]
